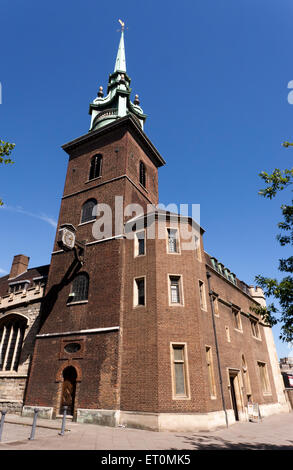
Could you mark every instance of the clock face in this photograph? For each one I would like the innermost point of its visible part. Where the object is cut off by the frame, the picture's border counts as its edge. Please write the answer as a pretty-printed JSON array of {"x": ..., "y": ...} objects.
[{"x": 69, "y": 238}]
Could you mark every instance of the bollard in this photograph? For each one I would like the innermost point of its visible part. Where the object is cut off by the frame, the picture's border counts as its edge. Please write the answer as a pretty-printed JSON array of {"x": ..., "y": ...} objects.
[
  {"x": 3, "y": 412},
  {"x": 32, "y": 436},
  {"x": 63, "y": 422}
]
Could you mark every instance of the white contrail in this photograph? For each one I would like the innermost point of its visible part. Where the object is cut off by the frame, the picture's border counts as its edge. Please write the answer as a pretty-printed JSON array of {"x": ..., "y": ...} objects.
[{"x": 43, "y": 217}]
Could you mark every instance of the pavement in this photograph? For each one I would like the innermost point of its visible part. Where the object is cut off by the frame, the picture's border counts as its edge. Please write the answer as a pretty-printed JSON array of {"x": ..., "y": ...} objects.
[{"x": 272, "y": 433}]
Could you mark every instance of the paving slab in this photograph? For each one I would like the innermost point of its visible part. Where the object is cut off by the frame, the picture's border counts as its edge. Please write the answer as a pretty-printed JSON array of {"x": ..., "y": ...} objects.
[{"x": 272, "y": 433}]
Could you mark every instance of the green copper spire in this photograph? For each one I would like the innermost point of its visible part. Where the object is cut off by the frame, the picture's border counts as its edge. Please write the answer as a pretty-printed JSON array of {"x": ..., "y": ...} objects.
[
  {"x": 117, "y": 103},
  {"x": 120, "y": 64}
]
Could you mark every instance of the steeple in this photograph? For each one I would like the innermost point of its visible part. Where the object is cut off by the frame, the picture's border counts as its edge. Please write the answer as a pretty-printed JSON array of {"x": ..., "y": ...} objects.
[
  {"x": 117, "y": 103},
  {"x": 120, "y": 64}
]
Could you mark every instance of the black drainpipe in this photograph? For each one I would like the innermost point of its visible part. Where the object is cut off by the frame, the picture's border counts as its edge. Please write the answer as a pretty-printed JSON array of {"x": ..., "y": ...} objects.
[{"x": 217, "y": 349}]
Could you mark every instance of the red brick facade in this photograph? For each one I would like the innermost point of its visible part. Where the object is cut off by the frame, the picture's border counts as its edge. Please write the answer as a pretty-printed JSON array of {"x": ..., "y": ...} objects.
[{"x": 126, "y": 364}]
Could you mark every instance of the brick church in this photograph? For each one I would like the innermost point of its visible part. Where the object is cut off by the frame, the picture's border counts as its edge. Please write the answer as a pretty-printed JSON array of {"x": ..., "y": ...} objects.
[{"x": 135, "y": 329}]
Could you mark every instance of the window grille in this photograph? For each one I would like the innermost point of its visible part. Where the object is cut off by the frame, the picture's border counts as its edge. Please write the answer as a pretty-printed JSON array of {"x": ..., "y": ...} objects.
[
  {"x": 79, "y": 289},
  {"x": 96, "y": 166},
  {"x": 88, "y": 210}
]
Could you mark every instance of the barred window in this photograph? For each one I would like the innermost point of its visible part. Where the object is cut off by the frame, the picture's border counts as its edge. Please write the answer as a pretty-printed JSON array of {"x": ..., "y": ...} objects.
[
  {"x": 88, "y": 211},
  {"x": 79, "y": 290},
  {"x": 172, "y": 240},
  {"x": 96, "y": 166},
  {"x": 175, "y": 290},
  {"x": 179, "y": 372},
  {"x": 11, "y": 338}
]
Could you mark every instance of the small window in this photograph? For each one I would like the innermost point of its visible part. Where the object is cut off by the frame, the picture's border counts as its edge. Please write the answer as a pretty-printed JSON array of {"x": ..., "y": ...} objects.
[
  {"x": 88, "y": 211},
  {"x": 71, "y": 348},
  {"x": 142, "y": 174},
  {"x": 246, "y": 379},
  {"x": 96, "y": 166},
  {"x": 237, "y": 319},
  {"x": 228, "y": 334},
  {"x": 209, "y": 361},
  {"x": 197, "y": 248},
  {"x": 215, "y": 305},
  {"x": 179, "y": 373},
  {"x": 175, "y": 290},
  {"x": 139, "y": 292},
  {"x": 173, "y": 242},
  {"x": 264, "y": 377},
  {"x": 139, "y": 243},
  {"x": 202, "y": 295},
  {"x": 79, "y": 289},
  {"x": 255, "y": 328}
]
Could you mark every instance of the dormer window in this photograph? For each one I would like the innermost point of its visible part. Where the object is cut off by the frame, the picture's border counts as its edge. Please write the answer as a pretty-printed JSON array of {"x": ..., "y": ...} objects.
[
  {"x": 96, "y": 166},
  {"x": 18, "y": 287},
  {"x": 142, "y": 174}
]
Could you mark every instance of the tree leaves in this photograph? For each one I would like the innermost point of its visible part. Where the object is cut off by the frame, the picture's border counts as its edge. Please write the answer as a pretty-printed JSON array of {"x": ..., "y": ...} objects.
[
  {"x": 283, "y": 290},
  {"x": 5, "y": 150}
]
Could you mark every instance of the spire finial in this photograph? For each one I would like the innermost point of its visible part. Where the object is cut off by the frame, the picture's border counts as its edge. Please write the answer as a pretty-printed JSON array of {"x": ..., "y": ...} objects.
[
  {"x": 120, "y": 64},
  {"x": 122, "y": 24}
]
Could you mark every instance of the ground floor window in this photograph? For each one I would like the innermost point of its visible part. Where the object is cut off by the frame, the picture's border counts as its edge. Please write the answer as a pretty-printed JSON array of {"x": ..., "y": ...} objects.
[
  {"x": 11, "y": 337},
  {"x": 179, "y": 371}
]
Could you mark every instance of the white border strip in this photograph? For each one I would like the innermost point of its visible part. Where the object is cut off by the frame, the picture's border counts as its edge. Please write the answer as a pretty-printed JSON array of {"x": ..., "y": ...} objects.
[{"x": 94, "y": 330}]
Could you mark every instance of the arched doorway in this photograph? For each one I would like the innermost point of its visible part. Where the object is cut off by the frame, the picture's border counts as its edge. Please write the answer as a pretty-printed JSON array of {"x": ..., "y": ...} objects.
[{"x": 68, "y": 390}]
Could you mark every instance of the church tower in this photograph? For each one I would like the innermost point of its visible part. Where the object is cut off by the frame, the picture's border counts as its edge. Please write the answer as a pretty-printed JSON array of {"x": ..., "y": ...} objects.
[
  {"x": 77, "y": 357},
  {"x": 140, "y": 330}
]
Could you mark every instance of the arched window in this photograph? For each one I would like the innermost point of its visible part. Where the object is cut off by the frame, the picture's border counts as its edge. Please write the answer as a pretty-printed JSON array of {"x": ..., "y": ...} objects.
[
  {"x": 96, "y": 166},
  {"x": 79, "y": 288},
  {"x": 88, "y": 211},
  {"x": 142, "y": 174},
  {"x": 11, "y": 337}
]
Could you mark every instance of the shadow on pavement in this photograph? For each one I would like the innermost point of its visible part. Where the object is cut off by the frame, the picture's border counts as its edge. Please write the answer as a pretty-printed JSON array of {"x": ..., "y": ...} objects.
[{"x": 218, "y": 443}]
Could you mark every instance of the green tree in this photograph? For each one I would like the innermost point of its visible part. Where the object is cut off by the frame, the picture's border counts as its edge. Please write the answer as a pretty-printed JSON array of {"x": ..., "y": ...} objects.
[
  {"x": 5, "y": 151},
  {"x": 282, "y": 290}
]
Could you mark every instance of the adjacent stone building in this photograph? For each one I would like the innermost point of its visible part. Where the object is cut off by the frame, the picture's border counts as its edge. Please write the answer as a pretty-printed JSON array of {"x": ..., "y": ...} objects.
[
  {"x": 142, "y": 330},
  {"x": 21, "y": 293}
]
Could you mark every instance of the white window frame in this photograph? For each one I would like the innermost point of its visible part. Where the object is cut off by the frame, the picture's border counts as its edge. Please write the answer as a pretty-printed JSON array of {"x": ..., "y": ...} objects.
[
  {"x": 265, "y": 388},
  {"x": 180, "y": 287},
  {"x": 136, "y": 293},
  {"x": 136, "y": 243},
  {"x": 180, "y": 345},
  {"x": 203, "y": 297},
  {"x": 178, "y": 248},
  {"x": 236, "y": 312},
  {"x": 211, "y": 371}
]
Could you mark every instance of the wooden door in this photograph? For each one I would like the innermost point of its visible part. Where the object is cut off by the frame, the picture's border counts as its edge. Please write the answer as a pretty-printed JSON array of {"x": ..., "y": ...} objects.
[
  {"x": 68, "y": 390},
  {"x": 233, "y": 397}
]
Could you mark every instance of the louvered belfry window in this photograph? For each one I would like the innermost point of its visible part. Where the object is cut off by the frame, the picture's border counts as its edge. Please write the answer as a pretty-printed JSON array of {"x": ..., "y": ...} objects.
[
  {"x": 11, "y": 338},
  {"x": 96, "y": 166},
  {"x": 142, "y": 174},
  {"x": 88, "y": 211},
  {"x": 80, "y": 288}
]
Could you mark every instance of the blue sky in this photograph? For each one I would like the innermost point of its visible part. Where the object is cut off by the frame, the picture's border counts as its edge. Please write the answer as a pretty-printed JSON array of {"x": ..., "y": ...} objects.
[{"x": 212, "y": 77}]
